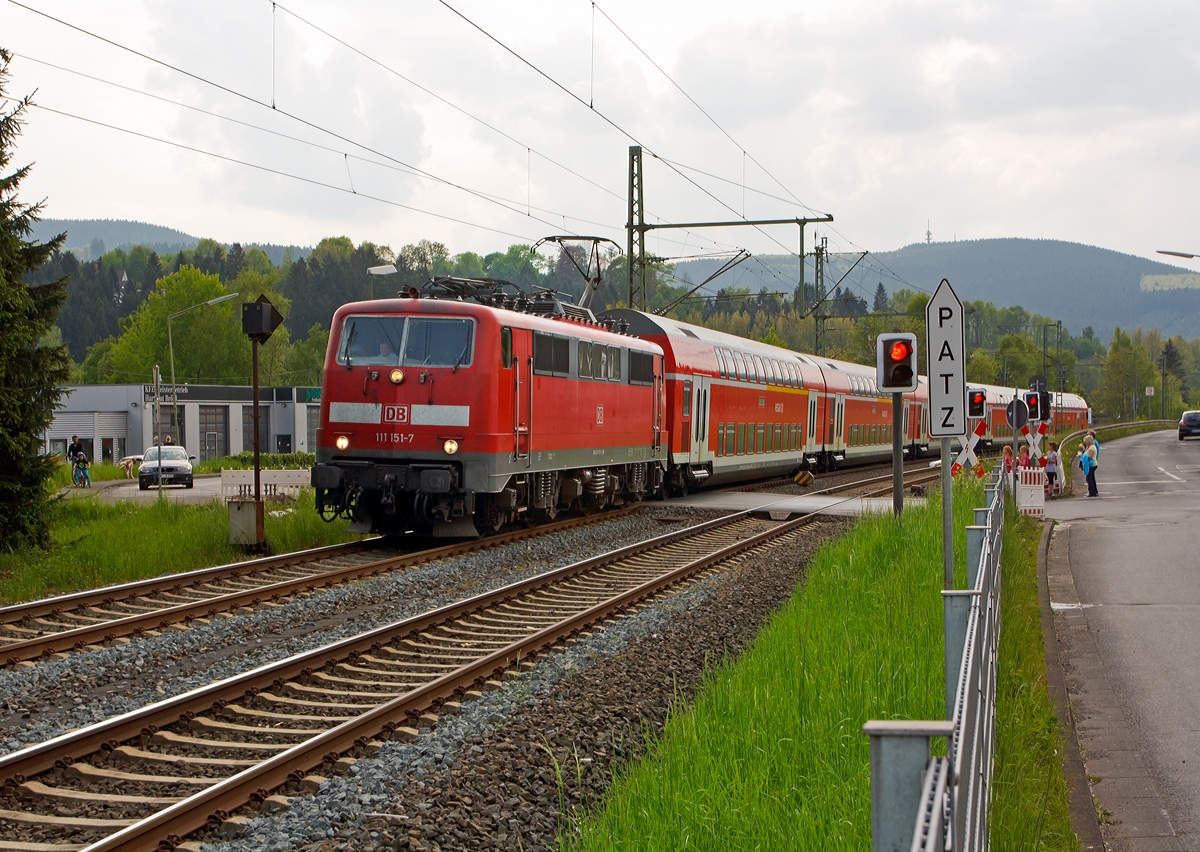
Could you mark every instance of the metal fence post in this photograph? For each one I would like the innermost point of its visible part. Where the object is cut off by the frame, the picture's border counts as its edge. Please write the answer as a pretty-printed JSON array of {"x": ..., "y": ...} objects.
[
  {"x": 956, "y": 612},
  {"x": 899, "y": 756},
  {"x": 975, "y": 537}
]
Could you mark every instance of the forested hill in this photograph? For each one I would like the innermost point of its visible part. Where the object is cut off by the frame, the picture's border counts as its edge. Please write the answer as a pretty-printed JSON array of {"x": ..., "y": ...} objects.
[
  {"x": 90, "y": 238},
  {"x": 1083, "y": 285}
]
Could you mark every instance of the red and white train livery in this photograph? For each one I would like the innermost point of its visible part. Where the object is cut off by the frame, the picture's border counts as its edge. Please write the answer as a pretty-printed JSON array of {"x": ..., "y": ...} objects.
[{"x": 445, "y": 416}]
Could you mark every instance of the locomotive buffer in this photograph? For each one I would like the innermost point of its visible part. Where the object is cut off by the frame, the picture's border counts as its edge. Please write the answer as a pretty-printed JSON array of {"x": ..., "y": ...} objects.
[{"x": 947, "y": 396}]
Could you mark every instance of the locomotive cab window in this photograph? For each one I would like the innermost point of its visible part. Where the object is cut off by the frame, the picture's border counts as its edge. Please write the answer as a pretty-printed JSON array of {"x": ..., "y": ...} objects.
[
  {"x": 551, "y": 355},
  {"x": 641, "y": 368},
  {"x": 391, "y": 341}
]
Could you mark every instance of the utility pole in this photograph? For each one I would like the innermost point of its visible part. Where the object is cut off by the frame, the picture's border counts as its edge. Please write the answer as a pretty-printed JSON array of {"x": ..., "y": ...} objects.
[
  {"x": 636, "y": 232},
  {"x": 820, "y": 252},
  {"x": 636, "y": 228},
  {"x": 1163, "y": 356}
]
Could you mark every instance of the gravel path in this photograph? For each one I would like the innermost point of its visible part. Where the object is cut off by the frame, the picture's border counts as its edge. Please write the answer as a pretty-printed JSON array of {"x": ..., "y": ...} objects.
[
  {"x": 512, "y": 769},
  {"x": 47, "y": 699}
]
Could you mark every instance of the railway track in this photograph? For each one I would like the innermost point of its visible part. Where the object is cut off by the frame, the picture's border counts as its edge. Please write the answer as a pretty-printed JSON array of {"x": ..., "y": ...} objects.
[
  {"x": 145, "y": 780},
  {"x": 41, "y": 628},
  {"x": 73, "y": 622}
]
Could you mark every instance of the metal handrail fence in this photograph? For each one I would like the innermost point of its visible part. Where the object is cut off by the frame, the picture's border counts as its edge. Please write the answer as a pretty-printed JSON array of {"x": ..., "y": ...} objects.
[{"x": 921, "y": 803}]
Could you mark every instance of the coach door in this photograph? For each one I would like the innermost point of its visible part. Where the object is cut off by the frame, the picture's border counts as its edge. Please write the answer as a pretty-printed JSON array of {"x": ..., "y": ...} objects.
[
  {"x": 699, "y": 424},
  {"x": 522, "y": 372}
]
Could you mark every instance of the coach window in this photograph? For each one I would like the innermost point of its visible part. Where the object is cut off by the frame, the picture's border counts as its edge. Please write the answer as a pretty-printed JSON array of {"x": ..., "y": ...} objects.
[
  {"x": 760, "y": 372},
  {"x": 758, "y": 439},
  {"x": 720, "y": 363},
  {"x": 687, "y": 399},
  {"x": 720, "y": 439},
  {"x": 730, "y": 367},
  {"x": 739, "y": 364},
  {"x": 506, "y": 347},
  {"x": 741, "y": 439}
]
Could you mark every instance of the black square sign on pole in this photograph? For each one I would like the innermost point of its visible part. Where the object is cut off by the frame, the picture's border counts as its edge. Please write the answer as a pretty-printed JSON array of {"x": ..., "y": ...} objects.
[{"x": 260, "y": 318}]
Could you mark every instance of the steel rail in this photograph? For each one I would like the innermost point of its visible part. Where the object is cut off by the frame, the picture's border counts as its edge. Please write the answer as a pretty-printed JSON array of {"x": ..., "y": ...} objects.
[
  {"x": 182, "y": 818},
  {"x": 80, "y": 637},
  {"x": 58, "y": 604},
  {"x": 20, "y": 765}
]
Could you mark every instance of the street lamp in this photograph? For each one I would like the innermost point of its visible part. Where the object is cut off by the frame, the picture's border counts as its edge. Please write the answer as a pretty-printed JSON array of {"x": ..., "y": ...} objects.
[
  {"x": 386, "y": 269},
  {"x": 1178, "y": 253},
  {"x": 171, "y": 347}
]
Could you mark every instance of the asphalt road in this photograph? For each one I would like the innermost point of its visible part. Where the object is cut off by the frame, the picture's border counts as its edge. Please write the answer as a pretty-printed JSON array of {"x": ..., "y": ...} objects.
[
  {"x": 206, "y": 488},
  {"x": 1135, "y": 557}
]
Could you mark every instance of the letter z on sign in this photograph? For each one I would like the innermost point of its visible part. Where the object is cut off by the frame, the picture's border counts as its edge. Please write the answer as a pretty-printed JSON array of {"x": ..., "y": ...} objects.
[
  {"x": 395, "y": 414},
  {"x": 946, "y": 345}
]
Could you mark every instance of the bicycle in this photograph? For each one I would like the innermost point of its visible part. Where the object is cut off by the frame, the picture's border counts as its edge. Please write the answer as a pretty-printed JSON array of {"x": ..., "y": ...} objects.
[{"x": 80, "y": 476}]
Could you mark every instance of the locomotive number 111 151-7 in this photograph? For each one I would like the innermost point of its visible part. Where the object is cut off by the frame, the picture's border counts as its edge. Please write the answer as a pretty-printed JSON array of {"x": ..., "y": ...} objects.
[{"x": 394, "y": 437}]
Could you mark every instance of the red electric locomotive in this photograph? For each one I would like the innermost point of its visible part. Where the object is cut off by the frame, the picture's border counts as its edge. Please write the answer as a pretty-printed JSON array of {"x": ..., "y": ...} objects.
[{"x": 442, "y": 416}]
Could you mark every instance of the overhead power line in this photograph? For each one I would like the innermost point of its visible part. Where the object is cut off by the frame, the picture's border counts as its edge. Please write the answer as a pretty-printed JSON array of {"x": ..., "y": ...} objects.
[
  {"x": 605, "y": 118},
  {"x": 703, "y": 111},
  {"x": 272, "y": 107},
  {"x": 443, "y": 100},
  {"x": 278, "y": 172}
]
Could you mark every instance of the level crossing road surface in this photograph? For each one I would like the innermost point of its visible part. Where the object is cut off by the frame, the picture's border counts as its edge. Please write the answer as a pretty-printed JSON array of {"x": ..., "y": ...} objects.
[
  {"x": 206, "y": 488},
  {"x": 1124, "y": 577}
]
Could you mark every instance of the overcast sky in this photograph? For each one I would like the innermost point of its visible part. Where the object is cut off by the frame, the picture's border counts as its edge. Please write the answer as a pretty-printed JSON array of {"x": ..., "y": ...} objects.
[{"x": 1069, "y": 120}]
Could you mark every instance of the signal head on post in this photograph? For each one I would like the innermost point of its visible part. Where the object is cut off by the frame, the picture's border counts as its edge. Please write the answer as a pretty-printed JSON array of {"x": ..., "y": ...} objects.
[
  {"x": 976, "y": 403},
  {"x": 1033, "y": 401},
  {"x": 896, "y": 362}
]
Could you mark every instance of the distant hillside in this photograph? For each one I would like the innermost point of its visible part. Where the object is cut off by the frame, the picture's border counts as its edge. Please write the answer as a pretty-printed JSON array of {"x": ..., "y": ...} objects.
[
  {"x": 1081, "y": 285},
  {"x": 123, "y": 233}
]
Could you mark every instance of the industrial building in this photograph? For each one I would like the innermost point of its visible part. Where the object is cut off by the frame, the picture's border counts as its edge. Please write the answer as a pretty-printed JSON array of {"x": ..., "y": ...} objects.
[{"x": 114, "y": 421}]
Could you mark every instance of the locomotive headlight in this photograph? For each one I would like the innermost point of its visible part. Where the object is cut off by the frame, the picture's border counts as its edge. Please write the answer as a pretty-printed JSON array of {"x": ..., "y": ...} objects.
[
  {"x": 397, "y": 376},
  {"x": 451, "y": 446},
  {"x": 342, "y": 442}
]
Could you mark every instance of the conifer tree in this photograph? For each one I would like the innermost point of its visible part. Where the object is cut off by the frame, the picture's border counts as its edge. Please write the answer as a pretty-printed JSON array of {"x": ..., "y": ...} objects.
[{"x": 30, "y": 376}]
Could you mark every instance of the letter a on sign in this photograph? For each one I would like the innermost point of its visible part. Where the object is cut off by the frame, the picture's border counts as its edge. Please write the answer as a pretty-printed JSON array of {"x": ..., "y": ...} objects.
[{"x": 946, "y": 345}]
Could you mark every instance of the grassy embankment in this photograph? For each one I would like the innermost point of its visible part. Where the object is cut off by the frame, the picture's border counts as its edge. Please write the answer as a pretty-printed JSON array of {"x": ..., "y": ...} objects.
[
  {"x": 96, "y": 543},
  {"x": 1103, "y": 433},
  {"x": 771, "y": 753}
]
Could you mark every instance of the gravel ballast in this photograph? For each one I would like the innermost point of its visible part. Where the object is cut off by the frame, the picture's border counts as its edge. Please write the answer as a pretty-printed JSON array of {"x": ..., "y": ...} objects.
[
  {"x": 514, "y": 768},
  {"x": 54, "y": 696}
]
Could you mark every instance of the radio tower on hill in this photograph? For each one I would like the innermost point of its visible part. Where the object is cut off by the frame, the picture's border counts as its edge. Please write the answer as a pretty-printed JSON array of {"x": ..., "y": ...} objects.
[{"x": 928, "y": 233}]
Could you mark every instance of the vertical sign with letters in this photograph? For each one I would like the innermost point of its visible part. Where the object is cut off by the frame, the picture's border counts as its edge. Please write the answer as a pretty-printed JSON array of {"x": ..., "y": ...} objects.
[{"x": 944, "y": 330}]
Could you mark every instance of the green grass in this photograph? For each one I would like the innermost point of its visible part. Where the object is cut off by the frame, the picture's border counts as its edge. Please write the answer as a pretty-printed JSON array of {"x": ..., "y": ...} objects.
[
  {"x": 96, "y": 543},
  {"x": 771, "y": 753},
  {"x": 98, "y": 473},
  {"x": 1030, "y": 796}
]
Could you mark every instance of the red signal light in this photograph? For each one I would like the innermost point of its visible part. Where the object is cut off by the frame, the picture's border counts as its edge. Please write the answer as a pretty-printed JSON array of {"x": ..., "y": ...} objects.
[{"x": 899, "y": 351}]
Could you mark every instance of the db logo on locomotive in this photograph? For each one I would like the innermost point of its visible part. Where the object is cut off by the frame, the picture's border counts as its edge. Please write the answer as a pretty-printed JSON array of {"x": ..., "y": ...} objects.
[{"x": 395, "y": 414}]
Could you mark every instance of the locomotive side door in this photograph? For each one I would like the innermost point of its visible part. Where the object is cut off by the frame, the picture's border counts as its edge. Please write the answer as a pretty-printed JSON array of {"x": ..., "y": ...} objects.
[
  {"x": 522, "y": 360},
  {"x": 699, "y": 420}
]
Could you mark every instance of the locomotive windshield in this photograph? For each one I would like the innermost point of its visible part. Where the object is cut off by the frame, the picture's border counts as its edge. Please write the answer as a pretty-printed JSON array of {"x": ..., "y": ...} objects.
[{"x": 424, "y": 341}]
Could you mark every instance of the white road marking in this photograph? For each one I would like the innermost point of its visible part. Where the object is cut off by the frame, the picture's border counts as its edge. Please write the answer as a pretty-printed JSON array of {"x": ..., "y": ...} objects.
[
  {"x": 1059, "y": 607},
  {"x": 1148, "y": 482},
  {"x": 1173, "y": 476}
]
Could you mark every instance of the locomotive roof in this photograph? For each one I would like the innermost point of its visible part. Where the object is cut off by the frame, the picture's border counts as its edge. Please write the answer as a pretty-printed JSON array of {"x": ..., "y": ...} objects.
[{"x": 518, "y": 319}]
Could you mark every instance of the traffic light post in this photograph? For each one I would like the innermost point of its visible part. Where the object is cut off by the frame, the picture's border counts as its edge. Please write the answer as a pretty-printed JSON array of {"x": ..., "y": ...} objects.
[{"x": 896, "y": 373}]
